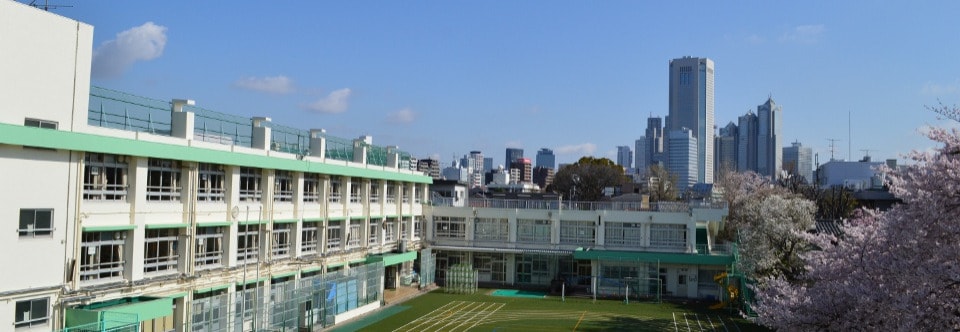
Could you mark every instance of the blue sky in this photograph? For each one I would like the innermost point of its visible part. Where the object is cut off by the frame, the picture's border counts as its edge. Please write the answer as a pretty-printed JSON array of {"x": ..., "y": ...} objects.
[{"x": 444, "y": 78}]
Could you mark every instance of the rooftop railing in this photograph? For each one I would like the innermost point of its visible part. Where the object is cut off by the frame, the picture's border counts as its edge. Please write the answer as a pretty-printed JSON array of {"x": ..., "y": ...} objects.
[
  {"x": 120, "y": 110},
  {"x": 582, "y": 206}
]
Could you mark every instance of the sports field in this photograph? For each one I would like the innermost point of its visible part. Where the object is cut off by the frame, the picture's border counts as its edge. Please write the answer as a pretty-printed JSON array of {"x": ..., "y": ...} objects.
[{"x": 437, "y": 311}]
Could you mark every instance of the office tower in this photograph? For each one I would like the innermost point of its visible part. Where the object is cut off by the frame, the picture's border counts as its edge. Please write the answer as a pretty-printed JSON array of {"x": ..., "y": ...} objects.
[
  {"x": 682, "y": 161},
  {"x": 524, "y": 170},
  {"x": 624, "y": 156},
  {"x": 474, "y": 162},
  {"x": 798, "y": 160},
  {"x": 512, "y": 155},
  {"x": 726, "y": 152},
  {"x": 546, "y": 158},
  {"x": 769, "y": 145},
  {"x": 640, "y": 148},
  {"x": 649, "y": 148},
  {"x": 691, "y": 106},
  {"x": 487, "y": 164},
  {"x": 430, "y": 167},
  {"x": 747, "y": 142}
]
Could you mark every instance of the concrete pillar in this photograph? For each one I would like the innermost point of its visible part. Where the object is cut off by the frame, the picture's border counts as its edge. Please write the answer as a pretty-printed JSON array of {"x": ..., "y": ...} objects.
[
  {"x": 318, "y": 143},
  {"x": 181, "y": 122},
  {"x": 393, "y": 156},
  {"x": 360, "y": 146},
  {"x": 260, "y": 133}
]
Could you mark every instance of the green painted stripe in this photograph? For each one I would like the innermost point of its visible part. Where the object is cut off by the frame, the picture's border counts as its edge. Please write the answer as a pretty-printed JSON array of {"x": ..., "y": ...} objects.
[
  {"x": 75, "y": 141},
  {"x": 214, "y": 224},
  {"x": 357, "y": 217},
  {"x": 377, "y": 217},
  {"x": 330, "y": 266},
  {"x": 254, "y": 222},
  {"x": 284, "y": 275},
  {"x": 212, "y": 289},
  {"x": 108, "y": 228},
  {"x": 312, "y": 269},
  {"x": 285, "y": 221},
  {"x": 359, "y": 260},
  {"x": 261, "y": 279},
  {"x": 177, "y": 295},
  {"x": 165, "y": 226},
  {"x": 337, "y": 218},
  {"x": 312, "y": 219}
]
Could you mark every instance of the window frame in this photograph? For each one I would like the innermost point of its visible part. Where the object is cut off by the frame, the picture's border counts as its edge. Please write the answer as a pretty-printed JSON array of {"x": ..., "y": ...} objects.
[
  {"x": 105, "y": 177},
  {"x": 209, "y": 248},
  {"x": 163, "y": 180},
  {"x": 32, "y": 304},
  {"x": 30, "y": 229},
  {"x": 163, "y": 239},
  {"x": 250, "y": 184},
  {"x": 283, "y": 186},
  {"x": 211, "y": 184}
]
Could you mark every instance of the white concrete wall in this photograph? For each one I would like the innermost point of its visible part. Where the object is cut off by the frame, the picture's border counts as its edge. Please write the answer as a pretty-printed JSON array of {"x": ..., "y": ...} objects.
[{"x": 46, "y": 66}]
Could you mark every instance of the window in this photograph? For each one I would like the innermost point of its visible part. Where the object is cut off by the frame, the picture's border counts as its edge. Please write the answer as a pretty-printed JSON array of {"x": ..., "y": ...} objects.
[
  {"x": 209, "y": 252},
  {"x": 160, "y": 251},
  {"x": 334, "y": 234},
  {"x": 449, "y": 227},
  {"x": 355, "y": 190},
  {"x": 31, "y": 312},
  {"x": 248, "y": 244},
  {"x": 629, "y": 235},
  {"x": 311, "y": 188},
  {"x": 577, "y": 232},
  {"x": 210, "y": 311},
  {"x": 390, "y": 230},
  {"x": 282, "y": 187},
  {"x": 374, "y": 238},
  {"x": 335, "y": 191},
  {"x": 404, "y": 228},
  {"x": 529, "y": 230},
  {"x": 407, "y": 192},
  {"x": 533, "y": 270},
  {"x": 281, "y": 240},
  {"x": 417, "y": 226},
  {"x": 491, "y": 229},
  {"x": 490, "y": 267},
  {"x": 417, "y": 197},
  {"x": 45, "y": 124},
  {"x": 308, "y": 238},
  {"x": 664, "y": 235},
  {"x": 163, "y": 180},
  {"x": 102, "y": 256},
  {"x": 250, "y": 190},
  {"x": 35, "y": 222},
  {"x": 104, "y": 177},
  {"x": 210, "y": 188},
  {"x": 355, "y": 234},
  {"x": 391, "y": 193},
  {"x": 375, "y": 192}
]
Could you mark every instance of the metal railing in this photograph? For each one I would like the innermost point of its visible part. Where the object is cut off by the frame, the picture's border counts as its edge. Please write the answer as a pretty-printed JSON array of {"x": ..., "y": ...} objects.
[{"x": 581, "y": 206}]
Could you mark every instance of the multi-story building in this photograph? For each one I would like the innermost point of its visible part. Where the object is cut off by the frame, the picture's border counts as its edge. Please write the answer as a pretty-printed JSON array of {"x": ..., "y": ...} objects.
[
  {"x": 543, "y": 176},
  {"x": 726, "y": 146},
  {"x": 474, "y": 162},
  {"x": 649, "y": 148},
  {"x": 747, "y": 142},
  {"x": 769, "y": 139},
  {"x": 512, "y": 155},
  {"x": 682, "y": 161},
  {"x": 691, "y": 106},
  {"x": 600, "y": 248},
  {"x": 430, "y": 167},
  {"x": 138, "y": 214},
  {"x": 524, "y": 170},
  {"x": 624, "y": 156},
  {"x": 546, "y": 158},
  {"x": 798, "y": 160}
]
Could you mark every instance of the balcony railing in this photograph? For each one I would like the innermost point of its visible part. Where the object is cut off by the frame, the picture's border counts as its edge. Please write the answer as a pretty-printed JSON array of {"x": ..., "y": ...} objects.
[{"x": 581, "y": 206}]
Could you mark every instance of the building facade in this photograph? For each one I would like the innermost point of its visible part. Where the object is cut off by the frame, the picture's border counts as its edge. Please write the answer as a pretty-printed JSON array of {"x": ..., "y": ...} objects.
[
  {"x": 747, "y": 142},
  {"x": 769, "y": 139},
  {"x": 135, "y": 215},
  {"x": 624, "y": 156},
  {"x": 682, "y": 161},
  {"x": 430, "y": 167},
  {"x": 798, "y": 160},
  {"x": 692, "y": 106},
  {"x": 546, "y": 158},
  {"x": 512, "y": 154},
  {"x": 727, "y": 151}
]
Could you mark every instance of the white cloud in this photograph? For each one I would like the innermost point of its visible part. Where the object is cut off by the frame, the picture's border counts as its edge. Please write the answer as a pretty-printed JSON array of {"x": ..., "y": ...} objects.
[
  {"x": 403, "y": 116},
  {"x": 804, "y": 34},
  {"x": 335, "y": 102},
  {"x": 585, "y": 149},
  {"x": 937, "y": 89},
  {"x": 273, "y": 85},
  {"x": 112, "y": 58}
]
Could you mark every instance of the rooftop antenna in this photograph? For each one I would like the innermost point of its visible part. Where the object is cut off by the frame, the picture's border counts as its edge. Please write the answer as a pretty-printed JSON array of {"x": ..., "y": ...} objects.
[
  {"x": 46, "y": 5},
  {"x": 866, "y": 153},
  {"x": 833, "y": 146},
  {"x": 849, "y": 137}
]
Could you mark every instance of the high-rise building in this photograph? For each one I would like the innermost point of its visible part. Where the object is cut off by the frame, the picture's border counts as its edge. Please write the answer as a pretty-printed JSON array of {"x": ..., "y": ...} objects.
[
  {"x": 430, "y": 167},
  {"x": 512, "y": 155},
  {"x": 474, "y": 162},
  {"x": 624, "y": 156},
  {"x": 726, "y": 152},
  {"x": 640, "y": 148},
  {"x": 546, "y": 158},
  {"x": 798, "y": 160},
  {"x": 769, "y": 141},
  {"x": 682, "y": 161},
  {"x": 543, "y": 176},
  {"x": 487, "y": 164},
  {"x": 524, "y": 170},
  {"x": 747, "y": 142},
  {"x": 649, "y": 148},
  {"x": 691, "y": 106}
]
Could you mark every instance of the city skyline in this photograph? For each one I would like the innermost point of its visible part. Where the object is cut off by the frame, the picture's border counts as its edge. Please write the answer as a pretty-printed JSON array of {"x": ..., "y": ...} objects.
[{"x": 578, "y": 79}]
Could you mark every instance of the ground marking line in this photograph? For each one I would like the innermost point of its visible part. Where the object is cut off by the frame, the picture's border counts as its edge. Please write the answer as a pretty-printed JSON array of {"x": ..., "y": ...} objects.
[
  {"x": 430, "y": 316},
  {"x": 722, "y": 323},
  {"x": 697, "y": 317},
  {"x": 464, "y": 319},
  {"x": 468, "y": 308},
  {"x": 687, "y": 321},
  {"x": 579, "y": 320},
  {"x": 485, "y": 317},
  {"x": 675, "y": 328}
]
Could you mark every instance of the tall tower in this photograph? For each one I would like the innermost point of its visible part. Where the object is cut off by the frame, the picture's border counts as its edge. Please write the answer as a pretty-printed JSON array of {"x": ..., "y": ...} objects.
[
  {"x": 691, "y": 106},
  {"x": 682, "y": 161},
  {"x": 512, "y": 155},
  {"x": 476, "y": 169},
  {"x": 624, "y": 156},
  {"x": 747, "y": 143},
  {"x": 726, "y": 149},
  {"x": 769, "y": 142},
  {"x": 649, "y": 148},
  {"x": 546, "y": 158}
]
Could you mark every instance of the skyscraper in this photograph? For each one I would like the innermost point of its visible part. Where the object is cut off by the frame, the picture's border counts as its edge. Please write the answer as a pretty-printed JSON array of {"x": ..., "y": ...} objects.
[
  {"x": 691, "y": 106},
  {"x": 624, "y": 156},
  {"x": 512, "y": 155},
  {"x": 649, "y": 148},
  {"x": 682, "y": 161},
  {"x": 546, "y": 158},
  {"x": 798, "y": 160},
  {"x": 769, "y": 151},
  {"x": 747, "y": 143},
  {"x": 475, "y": 164},
  {"x": 726, "y": 146}
]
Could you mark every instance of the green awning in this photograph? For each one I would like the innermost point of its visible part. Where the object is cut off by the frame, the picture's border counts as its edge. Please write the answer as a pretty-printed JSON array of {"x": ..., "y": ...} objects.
[
  {"x": 165, "y": 226},
  {"x": 653, "y": 257},
  {"x": 214, "y": 224},
  {"x": 393, "y": 259},
  {"x": 285, "y": 221},
  {"x": 119, "y": 313},
  {"x": 108, "y": 228}
]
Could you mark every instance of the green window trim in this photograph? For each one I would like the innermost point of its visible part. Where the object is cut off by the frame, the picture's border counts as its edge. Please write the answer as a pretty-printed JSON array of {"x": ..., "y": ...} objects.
[
  {"x": 166, "y": 226},
  {"x": 214, "y": 224},
  {"x": 177, "y": 295},
  {"x": 212, "y": 289},
  {"x": 254, "y": 222},
  {"x": 285, "y": 221},
  {"x": 109, "y": 228},
  {"x": 283, "y": 275}
]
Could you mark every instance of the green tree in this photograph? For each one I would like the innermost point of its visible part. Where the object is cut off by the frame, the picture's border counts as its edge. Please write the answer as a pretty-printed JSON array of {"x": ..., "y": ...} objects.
[
  {"x": 586, "y": 179},
  {"x": 663, "y": 187}
]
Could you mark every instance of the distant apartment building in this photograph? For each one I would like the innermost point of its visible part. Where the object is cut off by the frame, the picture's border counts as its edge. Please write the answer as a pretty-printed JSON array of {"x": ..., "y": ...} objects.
[
  {"x": 798, "y": 160},
  {"x": 624, "y": 156},
  {"x": 546, "y": 158},
  {"x": 524, "y": 170},
  {"x": 474, "y": 162},
  {"x": 429, "y": 167},
  {"x": 683, "y": 158},
  {"x": 691, "y": 106},
  {"x": 456, "y": 172}
]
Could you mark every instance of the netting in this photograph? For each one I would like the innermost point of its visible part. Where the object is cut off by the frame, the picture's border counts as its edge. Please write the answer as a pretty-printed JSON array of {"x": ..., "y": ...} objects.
[{"x": 461, "y": 279}]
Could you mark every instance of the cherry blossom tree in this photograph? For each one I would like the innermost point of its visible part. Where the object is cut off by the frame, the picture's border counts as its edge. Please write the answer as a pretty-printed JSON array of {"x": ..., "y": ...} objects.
[{"x": 896, "y": 270}]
